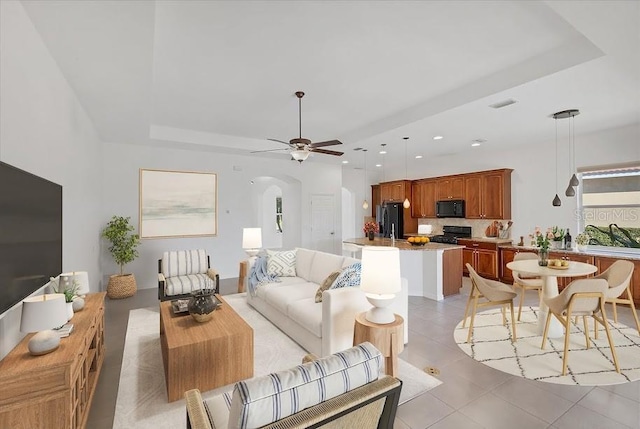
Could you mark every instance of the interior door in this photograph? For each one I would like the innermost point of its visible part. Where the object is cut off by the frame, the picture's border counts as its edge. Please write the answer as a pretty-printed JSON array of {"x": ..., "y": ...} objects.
[{"x": 323, "y": 223}]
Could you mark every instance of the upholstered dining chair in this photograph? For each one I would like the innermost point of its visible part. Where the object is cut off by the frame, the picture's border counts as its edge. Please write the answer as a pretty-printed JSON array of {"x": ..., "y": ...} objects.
[
  {"x": 495, "y": 293},
  {"x": 526, "y": 281},
  {"x": 618, "y": 277},
  {"x": 584, "y": 298}
]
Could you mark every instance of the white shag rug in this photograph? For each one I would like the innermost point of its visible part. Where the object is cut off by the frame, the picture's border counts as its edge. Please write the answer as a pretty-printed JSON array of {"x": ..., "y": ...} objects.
[
  {"x": 142, "y": 396},
  {"x": 491, "y": 345}
]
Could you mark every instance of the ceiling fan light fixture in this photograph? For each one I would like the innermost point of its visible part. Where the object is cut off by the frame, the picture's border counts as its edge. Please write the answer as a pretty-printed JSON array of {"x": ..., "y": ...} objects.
[{"x": 300, "y": 154}]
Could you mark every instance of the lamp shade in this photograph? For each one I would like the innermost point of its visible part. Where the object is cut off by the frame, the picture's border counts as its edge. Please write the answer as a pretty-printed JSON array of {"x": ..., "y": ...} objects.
[
  {"x": 81, "y": 279},
  {"x": 380, "y": 270},
  {"x": 251, "y": 238},
  {"x": 300, "y": 154},
  {"x": 43, "y": 312}
]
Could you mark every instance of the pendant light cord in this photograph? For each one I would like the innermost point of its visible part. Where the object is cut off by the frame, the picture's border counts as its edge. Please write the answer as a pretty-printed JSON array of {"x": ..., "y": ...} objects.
[{"x": 556, "y": 119}]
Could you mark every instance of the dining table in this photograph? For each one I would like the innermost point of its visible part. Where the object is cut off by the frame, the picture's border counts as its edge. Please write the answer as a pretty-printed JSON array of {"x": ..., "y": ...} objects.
[{"x": 549, "y": 275}]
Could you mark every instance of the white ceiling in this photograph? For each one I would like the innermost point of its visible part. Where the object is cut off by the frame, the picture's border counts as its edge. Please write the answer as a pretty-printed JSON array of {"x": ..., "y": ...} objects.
[{"x": 222, "y": 74}]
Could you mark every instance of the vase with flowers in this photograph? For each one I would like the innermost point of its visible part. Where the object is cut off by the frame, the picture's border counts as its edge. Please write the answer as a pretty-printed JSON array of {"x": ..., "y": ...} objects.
[
  {"x": 543, "y": 241},
  {"x": 557, "y": 237},
  {"x": 582, "y": 240},
  {"x": 370, "y": 228}
]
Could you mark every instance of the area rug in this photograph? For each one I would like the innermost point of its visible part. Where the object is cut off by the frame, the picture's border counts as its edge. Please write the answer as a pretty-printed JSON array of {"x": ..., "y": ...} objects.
[
  {"x": 491, "y": 345},
  {"x": 142, "y": 396}
]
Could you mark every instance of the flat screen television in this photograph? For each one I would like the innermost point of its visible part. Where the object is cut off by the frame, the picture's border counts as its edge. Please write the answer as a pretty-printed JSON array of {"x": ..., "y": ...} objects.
[{"x": 30, "y": 234}]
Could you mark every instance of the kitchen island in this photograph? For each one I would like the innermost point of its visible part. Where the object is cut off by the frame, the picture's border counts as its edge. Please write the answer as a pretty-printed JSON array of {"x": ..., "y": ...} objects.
[{"x": 432, "y": 270}]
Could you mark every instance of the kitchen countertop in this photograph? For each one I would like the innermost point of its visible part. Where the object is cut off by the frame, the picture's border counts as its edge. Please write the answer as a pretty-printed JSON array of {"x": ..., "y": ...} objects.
[
  {"x": 489, "y": 239},
  {"x": 401, "y": 244},
  {"x": 609, "y": 254}
]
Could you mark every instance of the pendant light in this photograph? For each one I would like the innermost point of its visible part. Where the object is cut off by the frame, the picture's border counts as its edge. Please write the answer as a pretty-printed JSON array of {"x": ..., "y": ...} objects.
[
  {"x": 365, "y": 204},
  {"x": 406, "y": 204},
  {"x": 573, "y": 181},
  {"x": 556, "y": 200}
]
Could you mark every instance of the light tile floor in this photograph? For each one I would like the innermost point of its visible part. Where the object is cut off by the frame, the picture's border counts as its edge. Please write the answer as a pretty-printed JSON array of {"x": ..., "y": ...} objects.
[{"x": 472, "y": 396}]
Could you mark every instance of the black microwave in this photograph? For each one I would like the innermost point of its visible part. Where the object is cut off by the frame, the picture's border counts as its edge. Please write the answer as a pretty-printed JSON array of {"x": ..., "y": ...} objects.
[{"x": 450, "y": 208}]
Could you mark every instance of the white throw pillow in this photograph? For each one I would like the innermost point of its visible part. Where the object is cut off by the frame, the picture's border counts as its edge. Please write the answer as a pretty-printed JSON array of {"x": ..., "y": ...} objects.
[{"x": 282, "y": 264}]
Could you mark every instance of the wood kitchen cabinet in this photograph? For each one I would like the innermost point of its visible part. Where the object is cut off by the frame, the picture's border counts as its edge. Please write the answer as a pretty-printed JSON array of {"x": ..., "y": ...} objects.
[
  {"x": 450, "y": 188},
  {"x": 423, "y": 198},
  {"x": 375, "y": 199},
  {"x": 482, "y": 256},
  {"x": 487, "y": 195},
  {"x": 507, "y": 255},
  {"x": 397, "y": 191}
]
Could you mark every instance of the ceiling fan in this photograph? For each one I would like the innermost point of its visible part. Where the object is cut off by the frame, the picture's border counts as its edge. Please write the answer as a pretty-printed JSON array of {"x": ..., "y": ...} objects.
[{"x": 300, "y": 148}]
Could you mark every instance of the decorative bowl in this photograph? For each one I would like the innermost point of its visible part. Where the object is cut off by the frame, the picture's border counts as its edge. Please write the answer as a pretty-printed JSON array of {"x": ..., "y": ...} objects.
[{"x": 417, "y": 244}]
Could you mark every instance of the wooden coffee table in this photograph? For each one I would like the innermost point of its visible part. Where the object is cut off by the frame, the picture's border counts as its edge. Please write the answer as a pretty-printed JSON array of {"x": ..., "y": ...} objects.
[{"x": 204, "y": 355}]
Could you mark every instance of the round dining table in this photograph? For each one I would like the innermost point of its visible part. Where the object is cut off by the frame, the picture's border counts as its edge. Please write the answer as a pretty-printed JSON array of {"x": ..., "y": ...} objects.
[{"x": 550, "y": 286}]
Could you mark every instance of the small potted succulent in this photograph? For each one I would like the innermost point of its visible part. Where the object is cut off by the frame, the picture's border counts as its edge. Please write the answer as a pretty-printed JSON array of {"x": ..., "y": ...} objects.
[
  {"x": 582, "y": 240},
  {"x": 68, "y": 289}
]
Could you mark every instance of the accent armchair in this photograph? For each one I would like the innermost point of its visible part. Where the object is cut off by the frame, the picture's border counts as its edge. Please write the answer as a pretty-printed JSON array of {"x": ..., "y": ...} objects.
[
  {"x": 182, "y": 271},
  {"x": 339, "y": 391}
]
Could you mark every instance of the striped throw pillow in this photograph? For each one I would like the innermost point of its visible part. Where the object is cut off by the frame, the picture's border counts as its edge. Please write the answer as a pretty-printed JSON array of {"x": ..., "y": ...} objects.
[
  {"x": 263, "y": 400},
  {"x": 282, "y": 264}
]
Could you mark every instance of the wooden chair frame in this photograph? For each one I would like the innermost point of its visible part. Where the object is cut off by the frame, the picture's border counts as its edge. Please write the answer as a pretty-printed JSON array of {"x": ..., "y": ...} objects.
[
  {"x": 566, "y": 322},
  {"x": 474, "y": 296},
  {"x": 628, "y": 301}
]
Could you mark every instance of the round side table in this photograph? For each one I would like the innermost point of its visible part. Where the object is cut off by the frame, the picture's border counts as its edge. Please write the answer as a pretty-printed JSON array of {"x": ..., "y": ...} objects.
[{"x": 388, "y": 338}]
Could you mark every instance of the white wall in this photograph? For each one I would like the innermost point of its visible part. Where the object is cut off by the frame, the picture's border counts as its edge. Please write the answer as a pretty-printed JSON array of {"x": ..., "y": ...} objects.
[
  {"x": 353, "y": 181},
  {"x": 533, "y": 178},
  {"x": 45, "y": 130},
  {"x": 236, "y": 209}
]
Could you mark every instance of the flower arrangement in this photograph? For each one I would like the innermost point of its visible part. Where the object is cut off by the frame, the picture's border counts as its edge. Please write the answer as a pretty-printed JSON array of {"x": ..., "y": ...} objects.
[
  {"x": 370, "y": 227},
  {"x": 582, "y": 239},
  {"x": 558, "y": 233},
  {"x": 542, "y": 240}
]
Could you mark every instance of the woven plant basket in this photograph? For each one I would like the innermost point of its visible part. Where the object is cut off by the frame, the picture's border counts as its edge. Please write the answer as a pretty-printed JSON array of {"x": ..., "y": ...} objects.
[{"x": 121, "y": 286}]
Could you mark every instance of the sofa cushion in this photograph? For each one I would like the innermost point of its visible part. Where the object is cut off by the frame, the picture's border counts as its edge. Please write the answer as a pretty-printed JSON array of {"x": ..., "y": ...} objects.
[
  {"x": 263, "y": 289},
  {"x": 184, "y": 262},
  {"x": 262, "y": 400},
  {"x": 308, "y": 314},
  {"x": 326, "y": 284},
  {"x": 304, "y": 259},
  {"x": 349, "y": 261},
  {"x": 348, "y": 277},
  {"x": 281, "y": 297},
  {"x": 282, "y": 264},
  {"x": 186, "y": 284},
  {"x": 323, "y": 265}
]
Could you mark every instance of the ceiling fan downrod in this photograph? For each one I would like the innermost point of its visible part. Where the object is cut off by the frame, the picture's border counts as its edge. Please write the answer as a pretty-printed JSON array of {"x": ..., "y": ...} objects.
[{"x": 300, "y": 94}]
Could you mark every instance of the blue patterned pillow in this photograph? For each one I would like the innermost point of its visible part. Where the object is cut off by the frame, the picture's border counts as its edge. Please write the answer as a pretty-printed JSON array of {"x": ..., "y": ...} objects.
[{"x": 350, "y": 276}]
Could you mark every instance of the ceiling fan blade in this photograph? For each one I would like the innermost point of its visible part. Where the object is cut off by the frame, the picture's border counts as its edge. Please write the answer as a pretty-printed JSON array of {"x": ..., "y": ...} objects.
[
  {"x": 268, "y": 150},
  {"x": 279, "y": 141},
  {"x": 325, "y": 151},
  {"x": 327, "y": 143}
]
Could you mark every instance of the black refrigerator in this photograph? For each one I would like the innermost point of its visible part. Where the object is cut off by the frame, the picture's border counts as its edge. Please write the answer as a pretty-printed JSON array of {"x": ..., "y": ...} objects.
[{"x": 389, "y": 216}]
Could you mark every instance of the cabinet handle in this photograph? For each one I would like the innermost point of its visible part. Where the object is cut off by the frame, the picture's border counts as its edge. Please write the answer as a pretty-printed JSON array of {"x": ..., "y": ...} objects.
[{"x": 475, "y": 244}]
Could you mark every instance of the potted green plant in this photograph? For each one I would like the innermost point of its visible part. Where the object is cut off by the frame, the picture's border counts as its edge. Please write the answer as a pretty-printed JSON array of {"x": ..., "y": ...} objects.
[
  {"x": 582, "y": 240},
  {"x": 68, "y": 289},
  {"x": 123, "y": 249}
]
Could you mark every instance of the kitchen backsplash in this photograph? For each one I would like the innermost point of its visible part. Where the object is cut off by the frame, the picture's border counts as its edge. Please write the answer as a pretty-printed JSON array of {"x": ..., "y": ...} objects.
[{"x": 478, "y": 226}]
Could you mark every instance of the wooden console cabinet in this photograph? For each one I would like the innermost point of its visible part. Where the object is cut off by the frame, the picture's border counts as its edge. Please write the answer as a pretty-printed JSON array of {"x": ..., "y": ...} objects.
[{"x": 55, "y": 390}]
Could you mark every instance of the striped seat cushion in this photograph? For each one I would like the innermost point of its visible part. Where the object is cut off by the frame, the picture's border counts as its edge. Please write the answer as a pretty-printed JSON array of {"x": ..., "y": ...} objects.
[
  {"x": 186, "y": 284},
  {"x": 263, "y": 400},
  {"x": 184, "y": 262}
]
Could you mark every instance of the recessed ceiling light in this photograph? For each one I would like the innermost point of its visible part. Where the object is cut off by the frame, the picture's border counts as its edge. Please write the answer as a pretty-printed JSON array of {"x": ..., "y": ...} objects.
[
  {"x": 378, "y": 165},
  {"x": 438, "y": 137},
  {"x": 475, "y": 144},
  {"x": 345, "y": 162},
  {"x": 382, "y": 152},
  {"x": 418, "y": 156}
]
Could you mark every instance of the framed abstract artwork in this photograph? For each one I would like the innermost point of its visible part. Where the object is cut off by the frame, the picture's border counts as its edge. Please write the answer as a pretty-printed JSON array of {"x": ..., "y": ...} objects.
[{"x": 178, "y": 204}]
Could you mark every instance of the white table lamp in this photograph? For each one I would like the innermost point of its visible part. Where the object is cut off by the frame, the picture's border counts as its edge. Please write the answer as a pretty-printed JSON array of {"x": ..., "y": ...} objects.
[
  {"x": 252, "y": 240},
  {"x": 380, "y": 281},
  {"x": 41, "y": 314}
]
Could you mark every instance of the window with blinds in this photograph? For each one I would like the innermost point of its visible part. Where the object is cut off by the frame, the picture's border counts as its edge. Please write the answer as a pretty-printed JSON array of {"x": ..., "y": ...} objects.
[{"x": 610, "y": 207}]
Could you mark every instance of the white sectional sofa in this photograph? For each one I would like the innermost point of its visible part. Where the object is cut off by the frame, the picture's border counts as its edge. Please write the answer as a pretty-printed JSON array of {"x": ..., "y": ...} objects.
[{"x": 321, "y": 328}]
